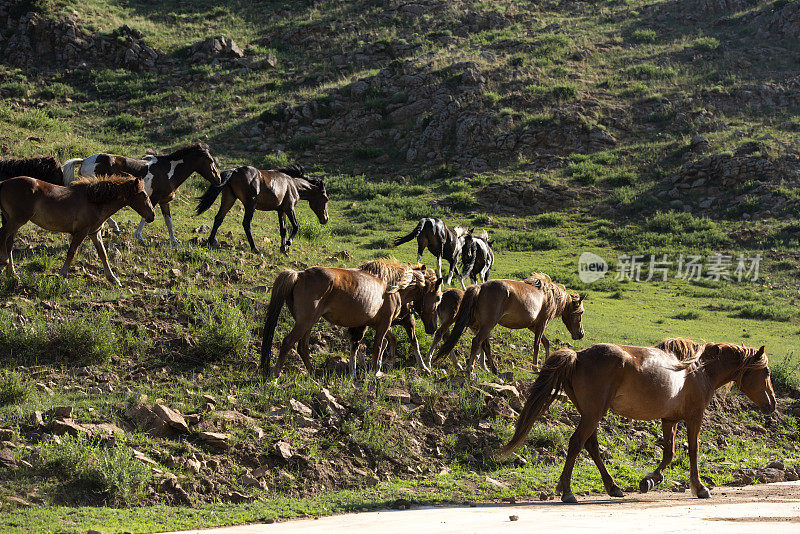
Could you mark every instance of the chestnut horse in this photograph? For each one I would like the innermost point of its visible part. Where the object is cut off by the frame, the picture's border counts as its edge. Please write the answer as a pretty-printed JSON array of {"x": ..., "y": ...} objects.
[
  {"x": 673, "y": 381},
  {"x": 530, "y": 304},
  {"x": 162, "y": 174},
  {"x": 275, "y": 190},
  {"x": 373, "y": 295},
  {"x": 446, "y": 312},
  {"x": 79, "y": 209}
]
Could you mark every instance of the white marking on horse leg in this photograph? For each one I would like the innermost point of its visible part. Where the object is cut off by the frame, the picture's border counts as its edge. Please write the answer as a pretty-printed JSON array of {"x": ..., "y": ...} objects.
[
  {"x": 88, "y": 165},
  {"x": 168, "y": 220},
  {"x": 419, "y": 258},
  {"x": 113, "y": 224},
  {"x": 139, "y": 231},
  {"x": 439, "y": 268}
]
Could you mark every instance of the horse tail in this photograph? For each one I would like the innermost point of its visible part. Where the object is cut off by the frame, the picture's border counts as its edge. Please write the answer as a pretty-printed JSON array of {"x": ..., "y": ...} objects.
[
  {"x": 414, "y": 233},
  {"x": 281, "y": 290},
  {"x": 68, "y": 170},
  {"x": 462, "y": 319},
  {"x": 207, "y": 200},
  {"x": 557, "y": 370}
]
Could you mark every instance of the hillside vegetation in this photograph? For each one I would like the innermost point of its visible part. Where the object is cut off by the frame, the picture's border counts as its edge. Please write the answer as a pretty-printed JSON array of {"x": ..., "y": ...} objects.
[{"x": 621, "y": 128}]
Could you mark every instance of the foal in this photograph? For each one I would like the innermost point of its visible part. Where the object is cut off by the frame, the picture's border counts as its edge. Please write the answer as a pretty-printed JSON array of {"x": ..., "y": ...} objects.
[
  {"x": 476, "y": 258},
  {"x": 79, "y": 210},
  {"x": 673, "y": 381}
]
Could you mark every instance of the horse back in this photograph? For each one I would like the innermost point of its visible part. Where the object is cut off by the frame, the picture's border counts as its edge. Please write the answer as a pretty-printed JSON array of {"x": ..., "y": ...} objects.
[{"x": 276, "y": 190}]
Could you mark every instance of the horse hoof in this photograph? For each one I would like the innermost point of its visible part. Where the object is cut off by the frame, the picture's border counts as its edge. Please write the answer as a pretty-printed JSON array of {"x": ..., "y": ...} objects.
[
  {"x": 646, "y": 485},
  {"x": 616, "y": 492},
  {"x": 703, "y": 493},
  {"x": 569, "y": 498}
]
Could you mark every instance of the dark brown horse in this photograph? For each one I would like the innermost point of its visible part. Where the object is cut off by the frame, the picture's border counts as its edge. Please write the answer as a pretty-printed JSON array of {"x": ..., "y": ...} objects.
[
  {"x": 162, "y": 174},
  {"x": 47, "y": 169},
  {"x": 446, "y": 312},
  {"x": 274, "y": 190},
  {"x": 371, "y": 296},
  {"x": 79, "y": 210},
  {"x": 443, "y": 242},
  {"x": 673, "y": 381},
  {"x": 531, "y": 304}
]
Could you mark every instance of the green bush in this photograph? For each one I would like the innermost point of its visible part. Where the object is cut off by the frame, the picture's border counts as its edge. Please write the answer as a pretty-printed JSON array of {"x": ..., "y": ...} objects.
[
  {"x": 586, "y": 172},
  {"x": 564, "y": 92},
  {"x": 786, "y": 373},
  {"x": 765, "y": 312},
  {"x": 549, "y": 219},
  {"x": 706, "y": 44},
  {"x": 461, "y": 200},
  {"x": 95, "y": 472},
  {"x": 643, "y": 36},
  {"x": 312, "y": 230},
  {"x": 14, "y": 387},
  {"x": 223, "y": 333},
  {"x": 687, "y": 315},
  {"x": 125, "y": 122}
]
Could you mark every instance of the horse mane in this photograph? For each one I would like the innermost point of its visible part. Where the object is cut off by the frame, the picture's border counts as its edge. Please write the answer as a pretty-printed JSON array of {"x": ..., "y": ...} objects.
[
  {"x": 396, "y": 275},
  {"x": 34, "y": 167},
  {"x": 557, "y": 296},
  {"x": 295, "y": 170},
  {"x": 749, "y": 358},
  {"x": 482, "y": 235},
  {"x": 186, "y": 150},
  {"x": 687, "y": 351},
  {"x": 100, "y": 190}
]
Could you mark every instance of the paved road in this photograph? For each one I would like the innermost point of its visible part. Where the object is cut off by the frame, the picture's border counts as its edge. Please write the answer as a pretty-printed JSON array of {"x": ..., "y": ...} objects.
[{"x": 765, "y": 508}]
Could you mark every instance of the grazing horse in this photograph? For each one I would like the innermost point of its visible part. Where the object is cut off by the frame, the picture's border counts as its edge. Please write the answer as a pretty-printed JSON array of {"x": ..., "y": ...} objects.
[
  {"x": 476, "y": 257},
  {"x": 79, "y": 209},
  {"x": 673, "y": 381},
  {"x": 373, "y": 295},
  {"x": 162, "y": 175},
  {"x": 530, "y": 304},
  {"x": 47, "y": 169},
  {"x": 443, "y": 242},
  {"x": 274, "y": 190}
]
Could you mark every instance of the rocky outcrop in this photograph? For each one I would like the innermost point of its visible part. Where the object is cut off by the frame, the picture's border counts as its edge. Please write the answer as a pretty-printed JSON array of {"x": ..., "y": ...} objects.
[
  {"x": 531, "y": 197},
  {"x": 37, "y": 41},
  {"x": 219, "y": 47},
  {"x": 779, "y": 21}
]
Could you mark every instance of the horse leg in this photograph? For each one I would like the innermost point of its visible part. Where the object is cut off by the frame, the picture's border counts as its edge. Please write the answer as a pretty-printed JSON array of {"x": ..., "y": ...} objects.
[
  {"x": 356, "y": 335},
  {"x": 546, "y": 343},
  {"x": 693, "y": 434},
  {"x": 225, "y": 205},
  {"x": 139, "y": 229},
  {"x": 295, "y": 227},
  {"x": 377, "y": 347},
  {"x": 97, "y": 239},
  {"x": 593, "y": 448},
  {"x": 7, "y": 234},
  {"x": 114, "y": 226},
  {"x": 168, "y": 220},
  {"x": 650, "y": 480},
  {"x": 487, "y": 356},
  {"x": 282, "y": 228},
  {"x": 249, "y": 210},
  {"x": 420, "y": 250},
  {"x": 437, "y": 336},
  {"x": 292, "y": 338},
  {"x": 391, "y": 341},
  {"x": 586, "y": 427},
  {"x": 305, "y": 353},
  {"x": 477, "y": 344},
  {"x": 409, "y": 324},
  {"x": 77, "y": 239},
  {"x": 537, "y": 339}
]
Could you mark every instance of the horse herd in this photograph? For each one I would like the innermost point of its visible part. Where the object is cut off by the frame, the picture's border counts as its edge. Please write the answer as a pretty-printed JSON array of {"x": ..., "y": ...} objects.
[{"x": 673, "y": 381}]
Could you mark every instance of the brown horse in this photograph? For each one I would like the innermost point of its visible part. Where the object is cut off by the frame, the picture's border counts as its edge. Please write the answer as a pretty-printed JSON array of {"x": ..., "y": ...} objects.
[
  {"x": 673, "y": 381},
  {"x": 373, "y": 295},
  {"x": 162, "y": 175},
  {"x": 274, "y": 190},
  {"x": 531, "y": 304},
  {"x": 79, "y": 210}
]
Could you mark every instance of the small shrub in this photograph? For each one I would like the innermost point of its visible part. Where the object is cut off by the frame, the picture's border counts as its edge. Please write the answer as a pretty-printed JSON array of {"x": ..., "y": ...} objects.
[
  {"x": 14, "y": 387},
  {"x": 687, "y": 315},
  {"x": 619, "y": 178},
  {"x": 273, "y": 161},
  {"x": 84, "y": 341},
  {"x": 312, "y": 230},
  {"x": 223, "y": 333},
  {"x": 549, "y": 219},
  {"x": 107, "y": 474},
  {"x": 786, "y": 373},
  {"x": 124, "y": 122},
  {"x": 564, "y": 92},
  {"x": 649, "y": 71},
  {"x": 57, "y": 90},
  {"x": 705, "y": 44},
  {"x": 303, "y": 142},
  {"x": 763, "y": 312},
  {"x": 461, "y": 200},
  {"x": 586, "y": 172},
  {"x": 643, "y": 36}
]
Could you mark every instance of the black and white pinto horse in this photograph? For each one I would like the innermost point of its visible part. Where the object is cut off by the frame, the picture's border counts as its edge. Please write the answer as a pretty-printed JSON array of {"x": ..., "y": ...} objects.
[
  {"x": 476, "y": 257},
  {"x": 443, "y": 242},
  {"x": 162, "y": 175}
]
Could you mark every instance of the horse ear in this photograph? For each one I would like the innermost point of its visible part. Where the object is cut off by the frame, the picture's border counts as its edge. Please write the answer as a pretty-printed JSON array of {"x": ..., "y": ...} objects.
[
  {"x": 581, "y": 297},
  {"x": 422, "y": 267},
  {"x": 712, "y": 349},
  {"x": 760, "y": 351},
  {"x": 438, "y": 283}
]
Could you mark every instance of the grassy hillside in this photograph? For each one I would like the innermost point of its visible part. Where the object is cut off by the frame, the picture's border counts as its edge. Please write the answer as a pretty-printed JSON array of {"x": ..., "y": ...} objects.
[{"x": 619, "y": 128}]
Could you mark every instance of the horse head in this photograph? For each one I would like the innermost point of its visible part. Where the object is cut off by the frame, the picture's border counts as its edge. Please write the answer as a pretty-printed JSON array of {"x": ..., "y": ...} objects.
[
  {"x": 430, "y": 302},
  {"x": 753, "y": 377},
  {"x": 206, "y": 165},
  {"x": 318, "y": 199},
  {"x": 140, "y": 201},
  {"x": 572, "y": 315}
]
